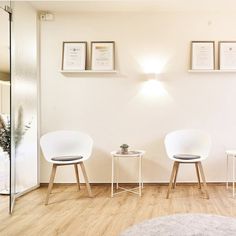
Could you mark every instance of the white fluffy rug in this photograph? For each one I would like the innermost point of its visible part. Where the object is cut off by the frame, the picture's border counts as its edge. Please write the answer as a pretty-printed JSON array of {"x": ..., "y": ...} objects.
[{"x": 185, "y": 225}]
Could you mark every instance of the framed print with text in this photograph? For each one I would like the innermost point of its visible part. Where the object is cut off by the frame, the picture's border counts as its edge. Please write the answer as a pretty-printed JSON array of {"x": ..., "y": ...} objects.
[
  {"x": 103, "y": 55},
  {"x": 74, "y": 56},
  {"x": 227, "y": 55},
  {"x": 202, "y": 55}
]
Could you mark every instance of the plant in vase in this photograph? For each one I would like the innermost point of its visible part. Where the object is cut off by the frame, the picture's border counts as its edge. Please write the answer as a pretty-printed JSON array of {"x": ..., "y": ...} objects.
[
  {"x": 21, "y": 128},
  {"x": 5, "y": 135},
  {"x": 5, "y": 139},
  {"x": 5, "y": 142},
  {"x": 124, "y": 149}
]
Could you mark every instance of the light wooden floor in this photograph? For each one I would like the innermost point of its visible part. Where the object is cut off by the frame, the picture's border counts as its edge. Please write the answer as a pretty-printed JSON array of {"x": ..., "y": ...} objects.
[{"x": 72, "y": 213}]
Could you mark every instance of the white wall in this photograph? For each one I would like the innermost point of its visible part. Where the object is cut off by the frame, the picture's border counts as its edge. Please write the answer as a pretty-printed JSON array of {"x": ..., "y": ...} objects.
[
  {"x": 113, "y": 109},
  {"x": 5, "y": 98}
]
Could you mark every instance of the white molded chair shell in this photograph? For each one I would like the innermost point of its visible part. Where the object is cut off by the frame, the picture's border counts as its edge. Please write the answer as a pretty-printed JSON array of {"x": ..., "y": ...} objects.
[
  {"x": 192, "y": 142},
  {"x": 66, "y": 143}
]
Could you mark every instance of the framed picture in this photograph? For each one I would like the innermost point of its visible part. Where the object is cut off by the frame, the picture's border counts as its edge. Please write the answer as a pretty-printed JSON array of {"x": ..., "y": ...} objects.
[
  {"x": 74, "y": 56},
  {"x": 202, "y": 55},
  {"x": 227, "y": 55},
  {"x": 103, "y": 55}
]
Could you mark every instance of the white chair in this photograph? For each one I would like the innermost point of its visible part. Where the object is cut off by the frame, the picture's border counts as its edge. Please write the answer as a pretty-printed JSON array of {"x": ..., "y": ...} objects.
[
  {"x": 65, "y": 148},
  {"x": 184, "y": 147}
]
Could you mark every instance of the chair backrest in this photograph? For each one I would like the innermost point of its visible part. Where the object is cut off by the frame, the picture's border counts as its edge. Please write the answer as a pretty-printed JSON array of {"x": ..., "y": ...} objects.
[
  {"x": 66, "y": 143},
  {"x": 193, "y": 142}
]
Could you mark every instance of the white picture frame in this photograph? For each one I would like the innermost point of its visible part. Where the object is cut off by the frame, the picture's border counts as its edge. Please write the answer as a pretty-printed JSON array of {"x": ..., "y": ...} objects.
[
  {"x": 103, "y": 55},
  {"x": 202, "y": 55},
  {"x": 74, "y": 56},
  {"x": 227, "y": 55}
]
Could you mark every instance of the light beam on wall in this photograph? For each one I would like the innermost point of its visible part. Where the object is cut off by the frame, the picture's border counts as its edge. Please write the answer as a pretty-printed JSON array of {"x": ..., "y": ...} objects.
[{"x": 153, "y": 89}]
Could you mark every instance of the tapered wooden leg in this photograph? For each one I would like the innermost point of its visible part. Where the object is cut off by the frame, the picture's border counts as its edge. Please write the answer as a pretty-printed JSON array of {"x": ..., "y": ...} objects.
[
  {"x": 50, "y": 185},
  {"x": 77, "y": 176},
  {"x": 86, "y": 179},
  {"x": 171, "y": 178},
  {"x": 198, "y": 176},
  {"x": 176, "y": 173},
  {"x": 203, "y": 178}
]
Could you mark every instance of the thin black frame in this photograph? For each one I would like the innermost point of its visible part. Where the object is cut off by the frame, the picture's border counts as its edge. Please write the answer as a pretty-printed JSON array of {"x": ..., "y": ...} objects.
[
  {"x": 63, "y": 50},
  {"x": 113, "y": 43}
]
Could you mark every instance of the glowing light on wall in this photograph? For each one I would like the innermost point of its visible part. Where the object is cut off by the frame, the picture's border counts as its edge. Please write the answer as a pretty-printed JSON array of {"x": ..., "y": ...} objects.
[
  {"x": 153, "y": 65},
  {"x": 153, "y": 88}
]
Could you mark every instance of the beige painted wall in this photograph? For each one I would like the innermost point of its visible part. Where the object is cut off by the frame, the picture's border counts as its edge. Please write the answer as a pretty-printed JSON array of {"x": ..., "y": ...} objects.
[
  {"x": 4, "y": 98},
  {"x": 116, "y": 109}
]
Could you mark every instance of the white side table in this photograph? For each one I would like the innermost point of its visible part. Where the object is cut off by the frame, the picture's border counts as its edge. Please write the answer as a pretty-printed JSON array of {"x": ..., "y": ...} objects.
[
  {"x": 116, "y": 155},
  {"x": 231, "y": 153}
]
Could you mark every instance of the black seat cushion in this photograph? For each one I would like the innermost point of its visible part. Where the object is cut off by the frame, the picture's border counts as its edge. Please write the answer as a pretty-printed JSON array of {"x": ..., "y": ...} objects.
[
  {"x": 66, "y": 158},
  {"x": 186, "y": 157}
]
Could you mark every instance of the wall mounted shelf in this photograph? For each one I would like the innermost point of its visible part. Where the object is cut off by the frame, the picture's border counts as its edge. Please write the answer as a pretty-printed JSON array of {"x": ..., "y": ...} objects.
[
  {"x": 212, "y": 71},
  {"x": 88, "y": 72}
]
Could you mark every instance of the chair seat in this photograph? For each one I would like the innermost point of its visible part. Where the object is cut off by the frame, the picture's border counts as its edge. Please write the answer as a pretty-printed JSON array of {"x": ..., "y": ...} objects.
[
  {"x": 67, "y": 158},
  {"x": 186, "y": 157}
]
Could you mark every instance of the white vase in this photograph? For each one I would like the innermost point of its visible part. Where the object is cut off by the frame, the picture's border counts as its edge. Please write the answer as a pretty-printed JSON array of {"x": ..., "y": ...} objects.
[{"x": 4, "y": 158}]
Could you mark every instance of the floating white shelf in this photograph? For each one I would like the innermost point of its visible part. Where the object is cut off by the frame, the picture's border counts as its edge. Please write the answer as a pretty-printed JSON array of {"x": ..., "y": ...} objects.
[
  {"x": 212, "y": 71},
  {"x": 89, "y": 71}
]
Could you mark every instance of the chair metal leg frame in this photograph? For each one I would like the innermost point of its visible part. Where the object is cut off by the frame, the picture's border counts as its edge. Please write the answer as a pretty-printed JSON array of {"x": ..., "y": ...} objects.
[
  {"x": 50, "y": 185},
  {"x": 171, "y": 178},
  {"x": 203, "y": 178},
  {"x": 77, "y": 175},
  {"x": 176, "y": 174},
  {"x": 198, "y": 176},
  {"x": 86, "y": 179}
]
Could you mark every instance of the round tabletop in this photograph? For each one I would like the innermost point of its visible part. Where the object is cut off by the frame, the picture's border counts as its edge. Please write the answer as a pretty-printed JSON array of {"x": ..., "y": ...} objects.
[{"x": 133, "y": 153}]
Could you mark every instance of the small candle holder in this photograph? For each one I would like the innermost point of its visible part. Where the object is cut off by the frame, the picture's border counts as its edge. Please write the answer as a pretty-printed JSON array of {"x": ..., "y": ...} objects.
[{"x": 124, "y": 149}]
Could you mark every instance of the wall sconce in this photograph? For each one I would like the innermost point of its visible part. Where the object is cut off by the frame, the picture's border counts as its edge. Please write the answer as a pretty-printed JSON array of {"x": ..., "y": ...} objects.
[{"x": 153, "y": 87}]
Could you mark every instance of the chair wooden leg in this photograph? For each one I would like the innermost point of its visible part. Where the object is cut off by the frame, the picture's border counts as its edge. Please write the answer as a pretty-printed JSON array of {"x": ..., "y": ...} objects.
[
  {"x": 171, "y": 178},
  {"x": 203, "y": 178},
  {"x": 176, "y": 173},
  {"x": 198, "y": 175},
  {"x": 50, "y": 185},
  {"x": 86, "y": 179},
  {"x": 77, "y": 175}
]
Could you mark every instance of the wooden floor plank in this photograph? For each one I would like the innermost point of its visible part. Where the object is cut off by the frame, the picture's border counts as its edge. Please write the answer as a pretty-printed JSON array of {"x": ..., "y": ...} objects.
[{"x": 73, "y": 213}]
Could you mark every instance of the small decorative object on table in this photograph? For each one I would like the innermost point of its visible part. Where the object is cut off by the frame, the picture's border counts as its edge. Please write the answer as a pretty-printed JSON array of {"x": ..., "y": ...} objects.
[{"x": 124, "y": 149}]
